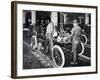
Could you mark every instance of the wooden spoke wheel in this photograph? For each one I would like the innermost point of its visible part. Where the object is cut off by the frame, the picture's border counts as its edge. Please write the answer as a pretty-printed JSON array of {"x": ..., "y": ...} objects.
[
  {"x": 33, "y": 43},
  {"x": 58, "y": 56}
]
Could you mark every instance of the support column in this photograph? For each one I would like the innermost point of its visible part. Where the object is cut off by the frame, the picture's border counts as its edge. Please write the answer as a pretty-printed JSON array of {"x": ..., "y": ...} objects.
[
  {"x": 61, "y": 21},
  {"x": 65, "y": 18},
  {"x": 80, "y": 19},
  {"x": 33, "y": 17},
  {"x": 54, "y": 18},
  {"x": 24, "y": 13},
  {"x": 86, "y": 18}
]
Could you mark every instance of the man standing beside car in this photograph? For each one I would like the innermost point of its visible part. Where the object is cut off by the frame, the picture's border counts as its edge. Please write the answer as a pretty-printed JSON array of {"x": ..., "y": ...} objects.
[
  {"x": 76, "y": 39},
  {"x": 49, "y": 34}
]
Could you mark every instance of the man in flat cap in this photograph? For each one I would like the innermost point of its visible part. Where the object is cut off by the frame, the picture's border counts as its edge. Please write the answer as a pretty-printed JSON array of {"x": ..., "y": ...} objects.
[{"x": 76, "y": 39}]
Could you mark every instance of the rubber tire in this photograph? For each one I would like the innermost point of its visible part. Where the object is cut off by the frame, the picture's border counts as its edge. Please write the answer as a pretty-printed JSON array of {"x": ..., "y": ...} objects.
[
  {"x": 62, "y": 54},
  {"x": 34, "y": 46},
  {"x": 82, "y": 49},
  {"x": 85, "y": 38}
]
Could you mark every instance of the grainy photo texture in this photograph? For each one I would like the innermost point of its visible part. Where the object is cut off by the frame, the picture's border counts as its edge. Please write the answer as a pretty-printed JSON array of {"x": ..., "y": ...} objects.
[
  {"x": 56, "y": 39},
  {"x": 50, "y": 39}
]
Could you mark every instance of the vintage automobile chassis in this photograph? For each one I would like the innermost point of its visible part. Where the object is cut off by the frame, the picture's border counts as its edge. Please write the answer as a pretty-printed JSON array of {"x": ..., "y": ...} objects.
[{"x": 61, "y": 51}]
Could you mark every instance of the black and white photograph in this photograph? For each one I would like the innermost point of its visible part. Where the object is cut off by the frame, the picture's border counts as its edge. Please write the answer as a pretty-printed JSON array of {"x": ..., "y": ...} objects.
[
  {"x": 56, "y": 39},
  {"x": 53, "y": 39}
]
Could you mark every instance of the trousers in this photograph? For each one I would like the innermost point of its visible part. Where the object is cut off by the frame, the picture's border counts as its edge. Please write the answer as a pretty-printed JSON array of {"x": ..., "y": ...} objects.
[{"x": 75, "y": 44}]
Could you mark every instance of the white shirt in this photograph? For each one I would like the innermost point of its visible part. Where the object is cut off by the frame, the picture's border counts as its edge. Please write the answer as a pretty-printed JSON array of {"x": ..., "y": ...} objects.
[{"x": 49, "y": 29}]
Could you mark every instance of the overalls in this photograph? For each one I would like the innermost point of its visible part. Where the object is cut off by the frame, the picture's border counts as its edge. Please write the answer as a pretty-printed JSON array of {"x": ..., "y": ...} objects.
[{"x": 76, "y": 39}]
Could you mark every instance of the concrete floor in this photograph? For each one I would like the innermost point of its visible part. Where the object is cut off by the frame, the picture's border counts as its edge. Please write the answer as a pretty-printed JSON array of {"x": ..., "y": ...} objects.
[{"x": 36, "y": 59}]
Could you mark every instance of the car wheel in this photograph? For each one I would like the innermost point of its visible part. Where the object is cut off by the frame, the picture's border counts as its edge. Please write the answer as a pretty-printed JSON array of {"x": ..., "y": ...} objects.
[
  {"x": 33, "y": 43},
  {"x": 58, "y": 56},
  {"x": 81, "y": 48},
  {"x": 84, "y": 39}
]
